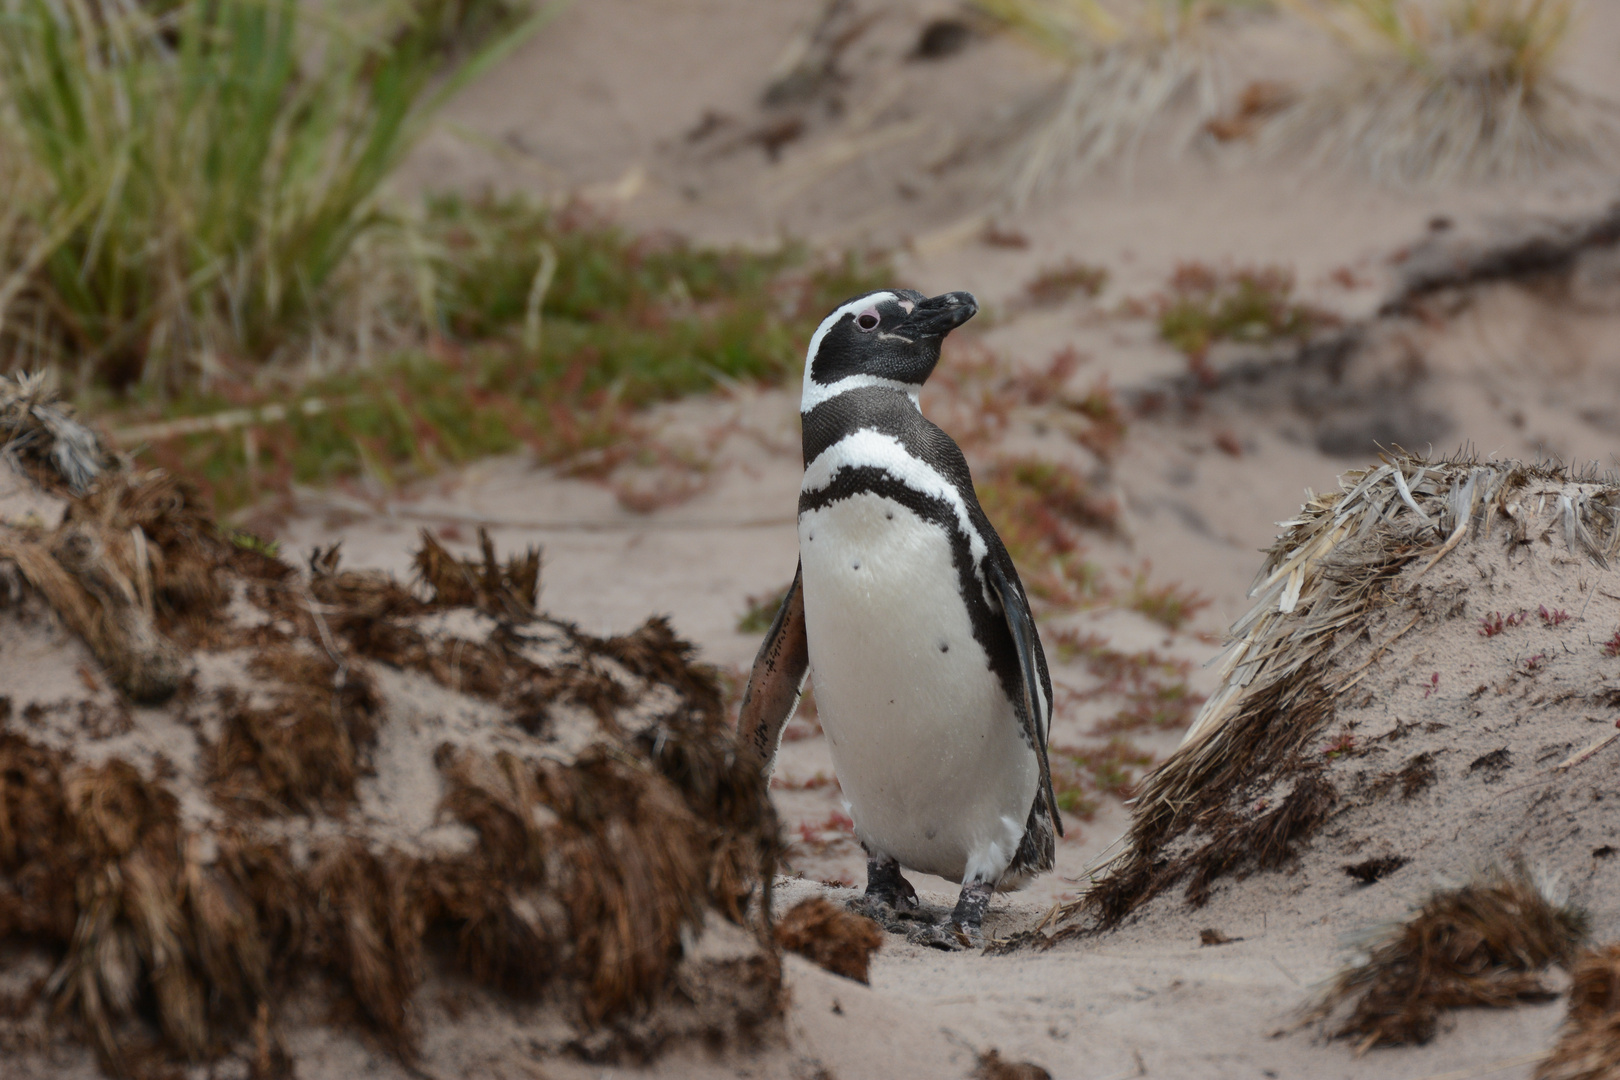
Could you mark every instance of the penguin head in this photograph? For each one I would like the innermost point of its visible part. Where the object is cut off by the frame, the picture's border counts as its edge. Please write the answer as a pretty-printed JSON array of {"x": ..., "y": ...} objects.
[{"x": 887, "y": 338}]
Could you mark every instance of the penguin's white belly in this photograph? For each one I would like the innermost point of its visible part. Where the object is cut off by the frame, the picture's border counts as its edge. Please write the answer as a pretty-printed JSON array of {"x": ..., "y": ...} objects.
[{"x": 926, "y": 745}]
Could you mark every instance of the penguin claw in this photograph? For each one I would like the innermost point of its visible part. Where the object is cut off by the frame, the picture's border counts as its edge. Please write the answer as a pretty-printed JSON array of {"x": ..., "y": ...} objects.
[
  {"x": 947, "y": 936},
  {"x": 896, "y": 918}
]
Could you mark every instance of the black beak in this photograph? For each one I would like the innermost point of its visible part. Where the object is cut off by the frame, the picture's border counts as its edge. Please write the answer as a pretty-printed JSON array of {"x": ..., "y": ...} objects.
[{"x": 939, "y": 315}]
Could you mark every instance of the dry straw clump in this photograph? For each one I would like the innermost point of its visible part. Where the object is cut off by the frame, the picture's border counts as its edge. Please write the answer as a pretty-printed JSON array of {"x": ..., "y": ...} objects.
[
  {"x": 838, "y": 940},
  {"x": 1128, "y": 66},
  {"x": 1461, "y": 90},
  {"x": 1588, "y": 1048},
  {"x": 352, "y": 784},
  {"x": 1261, "y": 769},
  {"x": 1481, "y": 944}
]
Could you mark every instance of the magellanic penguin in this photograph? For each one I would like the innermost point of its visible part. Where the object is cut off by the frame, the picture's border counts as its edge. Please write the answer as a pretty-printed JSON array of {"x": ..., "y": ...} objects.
[{"x": 931, "y": 683}]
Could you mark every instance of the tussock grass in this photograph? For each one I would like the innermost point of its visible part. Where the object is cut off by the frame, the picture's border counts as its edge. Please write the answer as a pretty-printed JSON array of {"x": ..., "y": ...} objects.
[
  {"x": 1464, "y": 89},
  {"x": 1128, "y": 65},
  {"x": 197, "y": 185}
]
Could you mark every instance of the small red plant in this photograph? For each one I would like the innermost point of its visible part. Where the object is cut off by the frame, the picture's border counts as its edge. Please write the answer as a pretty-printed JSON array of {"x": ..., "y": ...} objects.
[
  {"x": 1536, "y": 662},
  {"x": 1344, "y": 744},
  {"x": 1555, "y": 617},
  {"x": 1434, "y": 684},
  {"x": 835, "y": 823},
  {"x": 820, "y": 780},
  {"x": 1496, "y": 622},
  {"x": 1613, "y": 646}
]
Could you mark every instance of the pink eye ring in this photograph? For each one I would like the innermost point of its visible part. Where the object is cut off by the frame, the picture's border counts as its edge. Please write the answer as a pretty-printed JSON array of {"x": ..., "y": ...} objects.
[{"x": 867, "y": 321}]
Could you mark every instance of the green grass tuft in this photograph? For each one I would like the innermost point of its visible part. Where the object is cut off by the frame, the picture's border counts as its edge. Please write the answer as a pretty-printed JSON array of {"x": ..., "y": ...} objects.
[
  {"x": 1204, "y": 306},
  {"x": 761, "y": 611},
  {"x": 1170, "y": 604},
  {"x": 191, "y": 183},
  {"x": 1061, "y": 283}
]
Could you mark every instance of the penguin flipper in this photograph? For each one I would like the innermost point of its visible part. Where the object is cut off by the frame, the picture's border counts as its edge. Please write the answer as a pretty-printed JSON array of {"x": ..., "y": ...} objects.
[
  {"x": 1021, "y": 624},
  {"x": 777, "y": 681}
]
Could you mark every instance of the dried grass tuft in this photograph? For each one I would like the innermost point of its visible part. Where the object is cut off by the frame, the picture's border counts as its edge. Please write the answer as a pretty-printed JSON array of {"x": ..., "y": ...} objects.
[
  {"x": 1129, "y": 66},
  {"x": 39, "y": 434},
  {"x": 1245, "y": 788},
  {"x": 511, "y": 591},
  {"x": 1465, "y": 92},
  {"x": 371, "y": 932},
  {"x": 1588, "y": 1047},
  {"x": 833, "y": 937},
  {"x": 1483, "y": 944},
  {"x": 592, "y": 870},
  {"x": 306, "y": 748},
  {"x": 991, "y": 1066}
]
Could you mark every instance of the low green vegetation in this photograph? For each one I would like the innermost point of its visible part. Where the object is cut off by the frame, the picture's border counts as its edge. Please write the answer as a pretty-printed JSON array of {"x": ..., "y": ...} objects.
[
  {"x": 1082, "y": 774},
  {"x": 761, "y": 611},
  {"x": 196, "y": 223},
  {"x": 1204, "y": 305},
  {"x": 646, "y": 317},
  {"x": 624, "y": 322},
  {"x": 1061, "y": 283}
]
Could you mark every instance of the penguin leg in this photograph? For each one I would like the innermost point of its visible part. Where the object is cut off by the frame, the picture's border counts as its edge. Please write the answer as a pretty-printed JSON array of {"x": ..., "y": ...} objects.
[
  {"x": 886, "y": 884},
  {"x": 889, "y": 898},
  {"x": 962, "y": 929}
]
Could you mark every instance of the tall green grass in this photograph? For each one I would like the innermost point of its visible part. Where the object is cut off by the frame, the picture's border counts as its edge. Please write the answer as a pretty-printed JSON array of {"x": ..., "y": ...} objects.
[{"x": 191, "y": 186}]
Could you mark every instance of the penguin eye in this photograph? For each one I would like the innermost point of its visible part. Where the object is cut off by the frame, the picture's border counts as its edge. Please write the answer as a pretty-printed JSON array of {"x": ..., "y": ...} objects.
[{"x": 867, "y": 321}]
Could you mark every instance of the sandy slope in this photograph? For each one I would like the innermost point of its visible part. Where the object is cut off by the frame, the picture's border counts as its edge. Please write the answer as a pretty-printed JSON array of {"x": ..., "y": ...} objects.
[{"x": 602, "y": 102}]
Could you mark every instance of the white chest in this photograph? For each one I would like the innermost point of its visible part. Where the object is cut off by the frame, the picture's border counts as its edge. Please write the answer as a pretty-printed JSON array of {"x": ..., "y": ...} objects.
[{"x": 924, "y": 740}]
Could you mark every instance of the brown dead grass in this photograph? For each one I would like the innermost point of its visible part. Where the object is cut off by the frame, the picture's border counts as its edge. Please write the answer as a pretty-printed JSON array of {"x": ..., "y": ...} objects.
[
  {"x": 511, "y": 591},
  {"x": 176, "y": 940},
  {"x": 1483, "y": 944},
  {"x": 838, "y": 940},
  {"x": 991, "y": 1066},
  {"x": 1246, "y": 789},
  {"x": 1588, "y": 1047},
  {"x": 305, "y": 749}
]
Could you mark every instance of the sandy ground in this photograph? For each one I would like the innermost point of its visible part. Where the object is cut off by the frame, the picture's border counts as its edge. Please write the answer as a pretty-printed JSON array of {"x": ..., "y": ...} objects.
[{"x": 603, "y": 104}]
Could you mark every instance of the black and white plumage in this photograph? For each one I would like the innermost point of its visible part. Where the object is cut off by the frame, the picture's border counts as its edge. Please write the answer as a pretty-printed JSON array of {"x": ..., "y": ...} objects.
[{"x": 931, "y": 683}]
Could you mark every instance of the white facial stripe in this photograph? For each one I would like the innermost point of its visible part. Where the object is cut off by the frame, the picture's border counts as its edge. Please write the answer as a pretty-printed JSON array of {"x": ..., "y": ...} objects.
[
  {"x": 815, "y": 393},
  {"x": 860, "y": 303},
  {"x": 868, "y": 447}
]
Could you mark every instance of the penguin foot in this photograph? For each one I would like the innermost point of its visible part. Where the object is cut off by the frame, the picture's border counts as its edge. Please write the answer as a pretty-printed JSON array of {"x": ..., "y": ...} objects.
[
  {"x": 962, "y": 929},
  {"x": 948, "y": 936},
  {"x": 885, "y": 884},
  {"x": 885, "y": 914}
]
